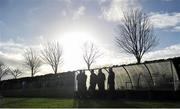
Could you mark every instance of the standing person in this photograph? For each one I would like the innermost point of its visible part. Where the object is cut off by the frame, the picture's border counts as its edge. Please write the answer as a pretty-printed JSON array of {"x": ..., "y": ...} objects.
[
  {"x": 111, "y": 80},
  {"x": 101, "y": 80},
  {"x": 93, "y": 82},
  {"x": 81, "y": 78},
  {"x": 84, "y": 77}
]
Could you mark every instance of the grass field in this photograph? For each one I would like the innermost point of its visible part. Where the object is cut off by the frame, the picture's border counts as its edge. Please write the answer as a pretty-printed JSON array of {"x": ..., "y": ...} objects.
[
  {"x": 36, "y": 102},
  {"x": 68, "y": 103}
]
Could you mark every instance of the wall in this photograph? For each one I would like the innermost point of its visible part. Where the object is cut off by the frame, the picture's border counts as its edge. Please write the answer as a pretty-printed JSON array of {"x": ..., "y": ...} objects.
[{"x": 54, "y": 85}]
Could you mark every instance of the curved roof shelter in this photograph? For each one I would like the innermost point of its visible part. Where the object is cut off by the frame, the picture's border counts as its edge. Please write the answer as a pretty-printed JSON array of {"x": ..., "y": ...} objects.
[{"x": 150, "y": 75}]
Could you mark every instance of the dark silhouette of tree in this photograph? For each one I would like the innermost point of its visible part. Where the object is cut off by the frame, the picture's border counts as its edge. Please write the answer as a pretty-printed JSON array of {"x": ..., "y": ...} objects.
[
  {"x": 16, "y": 73},
  {"x": 4, "y": 70},
  {"x": 90, "y": 54},
  {"x": 32, "y": 61},
  {"x": 52, "y": 55},
  {"x": 135, "y": 34}
]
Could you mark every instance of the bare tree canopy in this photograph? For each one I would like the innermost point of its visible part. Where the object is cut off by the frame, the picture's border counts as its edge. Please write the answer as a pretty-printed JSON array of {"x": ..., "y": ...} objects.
[
  {"x": 32, "y": 61},
  {"x": 16, "y": 73},
  {"x": 4, "y": 70},
  {"x": 135, "y": 34},
  {"x": 52, "y": 55},
  {"x": 90, "y": 54}
]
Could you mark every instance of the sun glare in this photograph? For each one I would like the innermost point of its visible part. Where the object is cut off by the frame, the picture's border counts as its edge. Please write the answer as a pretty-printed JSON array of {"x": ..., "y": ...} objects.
[
  {"x": 76, "y": 37},
  {"x": 72, "y": 43}
]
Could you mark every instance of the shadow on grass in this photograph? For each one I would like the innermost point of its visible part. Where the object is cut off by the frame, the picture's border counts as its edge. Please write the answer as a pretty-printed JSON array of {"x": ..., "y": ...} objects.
[
  {"x": 99, "y": 103},
  {"x": 104, "y": 103}
]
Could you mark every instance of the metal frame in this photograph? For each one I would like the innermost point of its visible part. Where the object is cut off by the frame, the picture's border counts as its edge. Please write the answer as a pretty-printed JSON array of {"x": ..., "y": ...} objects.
[
  {"x": 150, "y": 74},
  {"x": 129, "y": 76},
  {"x": 172, "y": 71}
]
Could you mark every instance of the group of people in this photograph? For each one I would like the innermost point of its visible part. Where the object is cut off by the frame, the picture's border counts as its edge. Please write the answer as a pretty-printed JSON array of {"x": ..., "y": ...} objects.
[{"x": 98, "y": 80}]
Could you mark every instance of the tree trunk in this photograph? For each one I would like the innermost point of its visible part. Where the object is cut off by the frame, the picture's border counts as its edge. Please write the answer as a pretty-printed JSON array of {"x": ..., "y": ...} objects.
[
  {"x": 138, "y": 60},
  {"x": 55, "y": 71},
  {"x": 88, "y": 65},
  {"x": 32, "y": 72}
]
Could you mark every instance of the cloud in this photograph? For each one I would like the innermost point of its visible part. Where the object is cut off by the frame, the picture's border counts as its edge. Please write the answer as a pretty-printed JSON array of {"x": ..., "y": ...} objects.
[
  {"x": 168, "y": 52},
  {"x": 80, "y": 11},
  {"x": 116, "y": 58},
  {"x": 64, "y": 13},
  {"x": 167, "y": 0},
  {"x": 114, "y": 11},
  {"x": 11, "y": 47},
  {"x": 11, "y": 55},
  {"x": 68, "y": 1},
  {"x": 165, "y": 20},
  {"x": 11, "y": 59},
  {"x": 176, "y": 29},
  {"x": 11, "y": 52}
]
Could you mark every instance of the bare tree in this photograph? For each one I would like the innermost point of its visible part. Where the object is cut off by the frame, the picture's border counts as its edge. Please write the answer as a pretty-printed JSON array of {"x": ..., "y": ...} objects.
[
  {"x": 135, "y": 34},
  {"x": 4, "y": 70},
  {"x": 16, "y": 73},
  {"x": 32, "y": 61},
  {"x": 90, "y": 54},
  {"x": 52, "y": 55}
]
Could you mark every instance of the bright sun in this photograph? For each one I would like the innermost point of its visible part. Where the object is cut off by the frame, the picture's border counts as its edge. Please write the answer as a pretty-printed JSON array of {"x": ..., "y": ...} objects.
[
  {"x": 72, "y": 43},
  {"x": 75, "y": 37}
]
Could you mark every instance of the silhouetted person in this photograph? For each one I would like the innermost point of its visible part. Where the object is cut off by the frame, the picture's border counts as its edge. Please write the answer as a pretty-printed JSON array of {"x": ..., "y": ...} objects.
[
  {"x": 81, "y": 77},
  {"x": 111, "y": 77},
  {"x": 101, "y": 80},
  {"x": 93, "y": 82},
  {"x": 23, "y": 84}
]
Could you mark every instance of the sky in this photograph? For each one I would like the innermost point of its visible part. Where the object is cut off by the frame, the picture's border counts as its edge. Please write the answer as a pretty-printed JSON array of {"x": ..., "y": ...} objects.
[{"x": 30, "y": 23}]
